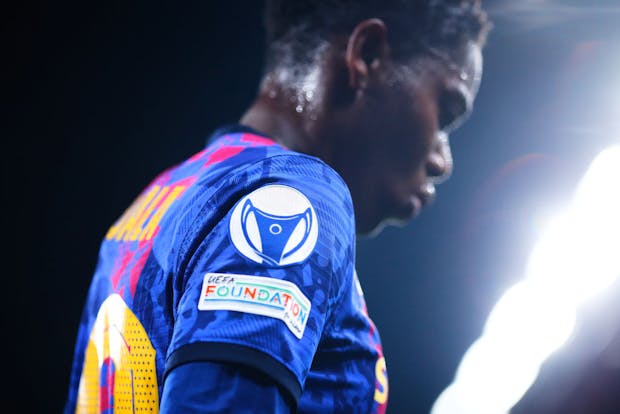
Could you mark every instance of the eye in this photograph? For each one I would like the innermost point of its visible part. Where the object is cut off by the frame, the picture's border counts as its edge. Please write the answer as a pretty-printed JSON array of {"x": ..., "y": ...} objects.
[{"x": 453, "y": 109}]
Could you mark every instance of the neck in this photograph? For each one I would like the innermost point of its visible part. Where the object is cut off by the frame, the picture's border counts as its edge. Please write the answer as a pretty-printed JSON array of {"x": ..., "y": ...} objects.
[
  {"x": 284, "y": 129},
  {"x": 288, "y": 114}
]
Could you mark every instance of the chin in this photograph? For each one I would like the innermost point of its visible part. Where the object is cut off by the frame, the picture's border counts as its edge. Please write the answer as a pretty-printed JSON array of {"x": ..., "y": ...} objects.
[{"x": 369, "y": 231}]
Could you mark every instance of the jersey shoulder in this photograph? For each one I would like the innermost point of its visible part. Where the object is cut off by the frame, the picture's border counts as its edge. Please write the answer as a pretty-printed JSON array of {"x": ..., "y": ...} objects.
[{"x": 271, "y": 181}]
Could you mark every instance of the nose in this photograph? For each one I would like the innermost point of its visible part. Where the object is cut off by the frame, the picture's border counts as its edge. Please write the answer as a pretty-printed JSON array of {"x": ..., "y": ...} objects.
[{"x": 439, "y": 163}]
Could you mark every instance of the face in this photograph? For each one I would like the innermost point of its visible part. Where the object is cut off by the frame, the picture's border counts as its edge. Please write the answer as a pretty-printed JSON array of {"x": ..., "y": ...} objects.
[{"x": 400, "y": 124}]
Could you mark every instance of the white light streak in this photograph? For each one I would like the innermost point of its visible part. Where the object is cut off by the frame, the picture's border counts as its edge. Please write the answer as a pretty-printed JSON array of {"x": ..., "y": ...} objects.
[{"x": 577, "y": 257}]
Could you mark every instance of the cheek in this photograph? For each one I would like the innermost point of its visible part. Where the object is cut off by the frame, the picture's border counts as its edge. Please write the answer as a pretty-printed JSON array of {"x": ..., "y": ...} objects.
[{"x": 410, "y": 131}]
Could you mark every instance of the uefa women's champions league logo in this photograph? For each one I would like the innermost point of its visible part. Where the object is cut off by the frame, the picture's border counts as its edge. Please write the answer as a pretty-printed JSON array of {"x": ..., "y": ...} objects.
[
  {"x": 274, "y": 231},
  {"x": 274, "y": 225}
]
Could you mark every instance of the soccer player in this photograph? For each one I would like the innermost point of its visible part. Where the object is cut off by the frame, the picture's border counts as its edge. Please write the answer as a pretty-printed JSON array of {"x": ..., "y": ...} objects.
[{"x": 229, "y": 284}]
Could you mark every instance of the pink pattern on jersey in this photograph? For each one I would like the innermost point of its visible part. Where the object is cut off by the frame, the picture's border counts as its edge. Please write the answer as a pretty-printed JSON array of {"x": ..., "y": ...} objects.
[
  {"x": 197, "y": 156},
  {"x": 256, "y": 140},
  {"x": 222, "y": 154},
  {"x": 143, "y": 251}
]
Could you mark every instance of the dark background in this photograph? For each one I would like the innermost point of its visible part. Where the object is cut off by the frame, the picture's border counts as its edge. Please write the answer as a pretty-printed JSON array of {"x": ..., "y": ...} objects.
[{"x": 102, "y": 96}]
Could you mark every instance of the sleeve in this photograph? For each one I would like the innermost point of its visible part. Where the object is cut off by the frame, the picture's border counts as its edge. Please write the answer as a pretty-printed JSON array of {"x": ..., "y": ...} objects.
[
  {"x": 207, "y": 387},
  {"x": 261, "y": 285}
]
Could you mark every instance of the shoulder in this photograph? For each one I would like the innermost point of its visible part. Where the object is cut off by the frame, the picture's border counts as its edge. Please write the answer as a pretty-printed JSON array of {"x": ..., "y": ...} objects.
[
  {"x": 292, "y": 189},
  {"x": 248, "y": 191},
  {"x": 305, "y": 172}
]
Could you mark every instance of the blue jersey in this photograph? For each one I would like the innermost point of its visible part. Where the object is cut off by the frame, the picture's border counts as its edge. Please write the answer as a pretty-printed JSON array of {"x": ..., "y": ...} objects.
[{"x": 242, "y": 254}]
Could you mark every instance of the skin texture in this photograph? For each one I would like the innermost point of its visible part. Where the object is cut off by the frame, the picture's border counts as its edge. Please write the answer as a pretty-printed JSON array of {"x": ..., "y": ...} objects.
[{"x": 382, "y": 125}]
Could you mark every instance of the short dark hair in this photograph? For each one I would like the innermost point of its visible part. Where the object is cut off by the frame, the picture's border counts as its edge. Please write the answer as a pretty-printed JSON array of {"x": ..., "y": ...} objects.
[{"x": 295, "y": 28}]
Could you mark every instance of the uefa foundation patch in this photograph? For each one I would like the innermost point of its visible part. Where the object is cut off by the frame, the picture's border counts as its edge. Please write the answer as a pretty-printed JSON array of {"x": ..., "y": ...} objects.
[
  {"x": 258, "y": 295},
  {"x": 274, "y": 225}
]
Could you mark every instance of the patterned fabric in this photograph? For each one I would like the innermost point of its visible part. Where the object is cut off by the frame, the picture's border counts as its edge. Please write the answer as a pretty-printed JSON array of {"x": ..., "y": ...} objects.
[{"x": 243, "y": 253}]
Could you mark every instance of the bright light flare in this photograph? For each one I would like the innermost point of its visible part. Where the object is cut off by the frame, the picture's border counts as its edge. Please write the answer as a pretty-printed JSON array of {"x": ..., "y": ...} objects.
[
  {"x": 530, "y": 323},
  {"x": 577, "y": 257}
]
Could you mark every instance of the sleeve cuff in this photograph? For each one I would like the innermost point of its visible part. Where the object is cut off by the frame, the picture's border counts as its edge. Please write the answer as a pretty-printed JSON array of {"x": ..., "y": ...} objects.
[{"x": 239, "y": 354}]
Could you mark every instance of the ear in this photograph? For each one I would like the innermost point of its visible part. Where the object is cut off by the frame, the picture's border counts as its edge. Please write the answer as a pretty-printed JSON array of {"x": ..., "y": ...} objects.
[{"x": 367, "y": 48}]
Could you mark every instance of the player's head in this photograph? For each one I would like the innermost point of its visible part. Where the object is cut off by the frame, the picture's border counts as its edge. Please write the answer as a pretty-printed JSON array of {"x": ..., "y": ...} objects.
[{"x": 376, "y": 86}]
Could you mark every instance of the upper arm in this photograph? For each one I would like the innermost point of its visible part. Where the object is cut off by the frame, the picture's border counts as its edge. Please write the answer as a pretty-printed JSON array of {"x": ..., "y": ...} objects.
[
  {"x": 208, "y": 387},
  {"x": 259, "y": 288}
]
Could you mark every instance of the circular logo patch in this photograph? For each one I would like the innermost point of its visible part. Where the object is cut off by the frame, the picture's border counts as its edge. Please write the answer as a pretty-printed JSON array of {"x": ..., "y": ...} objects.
[{"x": 274, "y": 225}]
